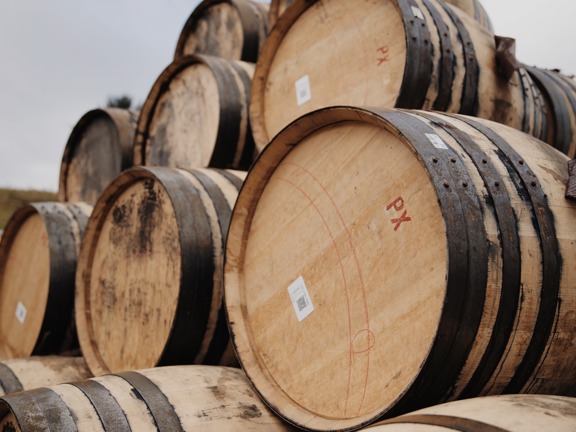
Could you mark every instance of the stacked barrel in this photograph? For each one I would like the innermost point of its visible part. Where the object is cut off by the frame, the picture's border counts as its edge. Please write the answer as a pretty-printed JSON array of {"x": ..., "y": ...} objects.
[{"x": 325, "y": 216}]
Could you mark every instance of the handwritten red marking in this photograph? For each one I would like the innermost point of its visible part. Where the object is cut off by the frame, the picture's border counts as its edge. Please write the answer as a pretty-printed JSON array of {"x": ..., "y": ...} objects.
[
  {"x": 398, "y": 205},
  {"x": 383, "y": 50}
]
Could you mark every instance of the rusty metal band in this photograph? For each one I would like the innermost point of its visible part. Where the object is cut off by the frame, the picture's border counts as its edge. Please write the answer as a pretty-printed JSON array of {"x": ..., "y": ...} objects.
[
  {"x": 543, "y": 220},
  {"x": 419, "y": 65}
]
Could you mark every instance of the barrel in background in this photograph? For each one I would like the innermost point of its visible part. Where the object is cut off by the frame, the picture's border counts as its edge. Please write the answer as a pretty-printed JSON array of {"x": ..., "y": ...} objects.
[
  {"x": 382, "y": 262},
  {"x": 28, "y": 373},
  {"x": 38, "y": 258},
  {"x": 509, "y": 413},
  {"x": 423, "y": 56},
  {"x": 230, "y": 29},
  {"x": 149, "y": 283},
  {"x": 98, "y": 149},
  {"x": 177, "y": 398},
  {"x": 196, "y": 116}
]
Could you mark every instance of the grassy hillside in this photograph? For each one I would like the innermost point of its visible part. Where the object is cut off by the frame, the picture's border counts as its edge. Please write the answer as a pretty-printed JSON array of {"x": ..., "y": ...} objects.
[{"x": 13, "y": 199}]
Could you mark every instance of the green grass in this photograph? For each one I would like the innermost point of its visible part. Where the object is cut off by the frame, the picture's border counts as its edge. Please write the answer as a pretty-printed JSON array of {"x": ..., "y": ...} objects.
[{"x": 13, "y": 199}]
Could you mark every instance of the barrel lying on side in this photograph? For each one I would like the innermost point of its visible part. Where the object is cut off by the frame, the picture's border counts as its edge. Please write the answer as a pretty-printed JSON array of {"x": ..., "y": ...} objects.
[
  {"x": 381, "y": 262},
  {"x": 149, "y": 281},
  {"x": 420, "y": 54},
  {"x": 560, "y": 97},
  {"x": 230, "y": 29},
  {"x": 38, "y": 257},
  {"x": 510, "y": 413},
  {"x": 28, "y": 373},
  {"x": 196, "y": 116},
  {"x": 98, "y": 149},
  {"x": 475, "y": 9},
  {"x": 176, "y": 398}
]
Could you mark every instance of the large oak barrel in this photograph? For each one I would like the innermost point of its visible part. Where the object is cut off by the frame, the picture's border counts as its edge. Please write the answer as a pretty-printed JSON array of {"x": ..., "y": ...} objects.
[
  {"x": 510, "y": 413},
  {"x": 560, "y": 97},
  {"x": 168, "y": 399},
  {"x": 38, "y": 256},
  {"x": 150, "y": 272},
  {"x": 28, "y": 373},
  {"x": 379, "y": 262},
  {"x": 196, "y": 115},
  {"x": 98, "y": 149},
  {"x": 472, "y": 7},
  {"x": 231, "y": 29},
  {"x": 419, "y": 54}
]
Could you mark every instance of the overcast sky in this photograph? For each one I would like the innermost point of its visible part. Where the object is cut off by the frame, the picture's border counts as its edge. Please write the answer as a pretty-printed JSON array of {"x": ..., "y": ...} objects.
[{"x": 61, "y": 58}]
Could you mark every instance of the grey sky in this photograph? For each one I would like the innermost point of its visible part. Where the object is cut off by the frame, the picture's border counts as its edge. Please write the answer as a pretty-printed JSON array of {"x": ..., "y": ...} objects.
[{"x": 62, "y": 58}]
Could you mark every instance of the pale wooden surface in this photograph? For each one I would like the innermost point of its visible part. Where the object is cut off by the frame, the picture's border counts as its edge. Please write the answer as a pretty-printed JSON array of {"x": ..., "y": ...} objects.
[
  {"x": 98, "y": 149},
  {"x": 233, "y": 30},
  {"x": 513, "y": 413},
  {"x": 475, "y": 9},
  {"x": 41, "y": 371},
  {"x": 198, "y": 398},
  {"x": 277, "y": 8},
  {"x": 356, "y": 54},
  {"x": 132, "y": 268},
  {"x": 343, "y": 200},
  {"x": 24, "y": 286},
  {"x": 189, "y": 116}
]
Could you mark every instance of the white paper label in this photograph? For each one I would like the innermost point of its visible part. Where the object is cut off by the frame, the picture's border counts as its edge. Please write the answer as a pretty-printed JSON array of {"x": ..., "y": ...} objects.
[
  {"x": 417, "y": 13},
  {"x": 437, "y": 141},
  {"x": 300, "y": 298},
  {"x": 20, "y": 312},
  {"x": 303, "y": 93}
]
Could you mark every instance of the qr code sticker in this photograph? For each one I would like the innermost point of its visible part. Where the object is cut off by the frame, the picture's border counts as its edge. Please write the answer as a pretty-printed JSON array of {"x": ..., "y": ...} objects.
[{"x": 300, "y": 298}]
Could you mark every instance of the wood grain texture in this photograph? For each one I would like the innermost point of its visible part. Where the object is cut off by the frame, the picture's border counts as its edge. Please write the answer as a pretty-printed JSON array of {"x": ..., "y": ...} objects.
[
  {"x": 230, "y": 29},
  {"x": 149, "y": 282},
  {"x": 510, "y": 413},
  {"x": 38, "y": 257},
  {"x": 98, "y": 149},
  {"x": 436, "y": 251},
  {"x": 196, "y": 116},
  {"x": 167, "y": 399},
  {"x": 571, "y": 186},
  {"x": 420, "y": 54},
  {"x": 475, "y": 9},
  {"x": 40, "y": 371}
]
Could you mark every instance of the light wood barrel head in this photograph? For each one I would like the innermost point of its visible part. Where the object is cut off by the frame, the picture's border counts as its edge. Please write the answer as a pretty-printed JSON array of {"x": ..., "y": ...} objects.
[
  {"x": 302, "y": 306},
  {"x": 129, "y": 276},
  {"x": 23, "y": 288},
  {"x": 304, "y": 65}
]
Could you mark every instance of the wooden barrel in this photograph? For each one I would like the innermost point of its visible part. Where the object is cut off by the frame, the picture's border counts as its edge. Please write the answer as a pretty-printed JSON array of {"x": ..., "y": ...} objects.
[
  {"x": 28, "y": 373},
  {"x": 149, "y": 282},
  {"x": 381, "y": 262},
  {"x": 38, "y": 256},
  {"x": 196, "y": 116},
  {"x": 420, "y": 54},
  {"x": 98, "y": 149},
  {"x": 472, "y": 7},
  {"x": 231, "y": 29},
  {"x": 510, "y": 413},
  {"x": 560, "y": 97},
  {"x": 475, "y": 9},
  {"x": 175, "y": 398}
]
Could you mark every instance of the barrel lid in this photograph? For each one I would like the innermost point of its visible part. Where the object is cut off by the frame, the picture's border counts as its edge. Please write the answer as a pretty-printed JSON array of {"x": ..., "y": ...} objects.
[{"x": 336, "y": 269}]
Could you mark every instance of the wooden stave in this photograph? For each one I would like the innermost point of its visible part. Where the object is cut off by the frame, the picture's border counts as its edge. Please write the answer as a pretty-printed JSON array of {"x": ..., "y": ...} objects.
[
  {"x": 254, "y": 22},
  {"x": 233, "y": 147},
  {"x": 65, "y": 224},
  {"x": 190, "y": 341},
  {"x": 526, "y": 380},
  {"x": 171, "y": 398},
  {"x": 511, "y": 413},
  {"x": 22, "y": 374},
  {"x": 123, "y": 121},
  {"x": 412, "y": 91}
]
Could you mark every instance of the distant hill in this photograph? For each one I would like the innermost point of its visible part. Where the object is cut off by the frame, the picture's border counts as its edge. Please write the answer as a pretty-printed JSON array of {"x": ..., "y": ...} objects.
[{"x": 13, "y": 199}]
